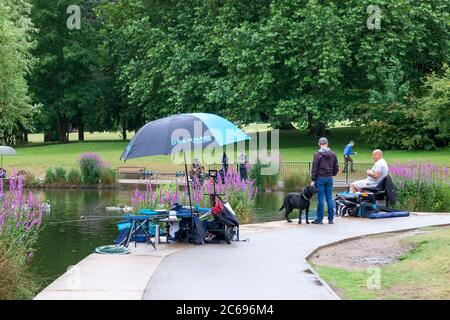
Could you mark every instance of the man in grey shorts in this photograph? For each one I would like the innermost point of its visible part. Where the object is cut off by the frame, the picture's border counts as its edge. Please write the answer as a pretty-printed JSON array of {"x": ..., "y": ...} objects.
[{"x": 379, "y": 170}]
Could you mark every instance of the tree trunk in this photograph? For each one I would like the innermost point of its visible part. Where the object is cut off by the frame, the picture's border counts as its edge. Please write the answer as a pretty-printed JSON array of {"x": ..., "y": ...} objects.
[
  {"x": 81, "y": 132},
  {"x": 317, "y": 130},
  {"x": 124, "y": 132},
  {"x": 310, "y": 119}
]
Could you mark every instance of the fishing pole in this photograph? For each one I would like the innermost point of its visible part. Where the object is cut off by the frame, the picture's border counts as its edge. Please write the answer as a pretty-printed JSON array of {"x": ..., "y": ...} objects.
[{"x": 97, "y": 218}]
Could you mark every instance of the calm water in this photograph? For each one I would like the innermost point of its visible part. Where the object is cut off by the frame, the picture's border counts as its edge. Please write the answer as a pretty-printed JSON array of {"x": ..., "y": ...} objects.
[{"x": 65, "y": 240}]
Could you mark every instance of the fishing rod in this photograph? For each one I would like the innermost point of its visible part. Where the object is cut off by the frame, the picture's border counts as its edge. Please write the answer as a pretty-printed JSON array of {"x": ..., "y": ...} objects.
[{"x": 97, "y": 218}]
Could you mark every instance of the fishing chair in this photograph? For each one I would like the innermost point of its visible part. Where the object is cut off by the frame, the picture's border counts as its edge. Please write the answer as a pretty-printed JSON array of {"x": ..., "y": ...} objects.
[{"x": 379, "y": 191}]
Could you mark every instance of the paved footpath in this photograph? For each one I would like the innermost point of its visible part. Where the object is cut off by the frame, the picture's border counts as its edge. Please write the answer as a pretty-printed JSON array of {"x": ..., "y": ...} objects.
[{"x": 270, "y": 266}]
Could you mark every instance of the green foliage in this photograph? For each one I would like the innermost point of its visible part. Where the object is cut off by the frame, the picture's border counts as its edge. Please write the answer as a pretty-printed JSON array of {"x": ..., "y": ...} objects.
[
  {"x": 64, "y": 78},
  {"x": 50, "y": 176},
  {"x": 108, "y": 176},
  {"x": 263, "y": 181},
  {"x": 15, "y": 64},
  {"x": 73, "y": 176},
  {"x": 60, "y": 175},
  {"x": 308, "y": 62},
  {"x": 412, "y": 123},
  {"x": 296, "y": 181},
  {"x": 434, "y": 107},
  {"x": 90, "y": 171},
  {"x": 16, "y": 282},
  {"x": 425, "y": 196},
  {"x": 29, "y": 179}
]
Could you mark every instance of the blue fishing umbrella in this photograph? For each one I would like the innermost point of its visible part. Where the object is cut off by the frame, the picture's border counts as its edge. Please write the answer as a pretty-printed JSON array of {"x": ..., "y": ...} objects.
[{"x": 182, "y": 132}]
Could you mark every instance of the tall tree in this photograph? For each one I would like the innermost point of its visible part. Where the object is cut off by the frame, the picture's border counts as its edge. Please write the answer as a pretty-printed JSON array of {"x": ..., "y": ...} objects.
[
  {"x": 64, "y": 80},
  {"x": 16, "y": 29}
]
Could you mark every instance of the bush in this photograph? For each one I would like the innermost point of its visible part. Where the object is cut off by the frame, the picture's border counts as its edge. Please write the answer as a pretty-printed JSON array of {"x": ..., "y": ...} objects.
[
  {"x": 73, "y": 176},
  {"x": 296, "y": 181},
  {"x": 29, "y": 180},
  {"x": 262, "y": 181},
  {"x": 421, "y": 186},
  {"x": 50, "y": 176},
  {"x": 108, "y": 176},
  {"x": 60, "y": 175},
  {"x": 16, "y": 281},
  {"x": 20, "y": 221},
  {"x": 91, "y": 167},
  {"x": 417, "y": 195}
]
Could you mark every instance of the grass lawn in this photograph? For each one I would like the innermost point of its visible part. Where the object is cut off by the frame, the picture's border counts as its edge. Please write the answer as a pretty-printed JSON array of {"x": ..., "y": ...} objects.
[
  {"x": 422, "y": 273},
  {"x": 294, "y": 146}
]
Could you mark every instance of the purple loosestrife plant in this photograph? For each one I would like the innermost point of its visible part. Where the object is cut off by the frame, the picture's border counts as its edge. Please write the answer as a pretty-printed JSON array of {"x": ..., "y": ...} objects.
[
  {"x": 91, "y": 166},
  {"x": 421, "y": 186},
  {"x": 20, "y": 218},
  {"x": 239, "y": 193}
]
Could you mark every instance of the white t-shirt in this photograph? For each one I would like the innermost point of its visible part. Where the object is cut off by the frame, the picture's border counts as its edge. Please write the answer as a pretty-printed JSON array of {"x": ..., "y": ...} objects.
[{"x": 379, "y": 166}]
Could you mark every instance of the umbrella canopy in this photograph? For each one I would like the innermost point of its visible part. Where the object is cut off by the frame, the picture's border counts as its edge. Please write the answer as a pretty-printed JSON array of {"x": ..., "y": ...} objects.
[
  {"x": 185, "y": 131},
  {"x": 182, "y": 132},
  {"x": 7, "y": 151}
]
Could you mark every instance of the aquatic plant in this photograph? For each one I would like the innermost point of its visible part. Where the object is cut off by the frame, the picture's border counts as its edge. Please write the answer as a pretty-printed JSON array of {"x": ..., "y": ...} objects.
[{"x": 73, "y": 176}]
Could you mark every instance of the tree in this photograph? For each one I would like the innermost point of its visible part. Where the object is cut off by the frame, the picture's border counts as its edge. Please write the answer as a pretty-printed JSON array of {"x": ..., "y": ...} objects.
[
  {"x": 65, "y": 79},
  {"x": 16, "y": 109}
]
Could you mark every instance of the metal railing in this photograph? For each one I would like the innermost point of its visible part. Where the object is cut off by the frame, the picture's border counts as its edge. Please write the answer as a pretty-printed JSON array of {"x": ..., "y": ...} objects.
[{"x": 288, "y": 168}]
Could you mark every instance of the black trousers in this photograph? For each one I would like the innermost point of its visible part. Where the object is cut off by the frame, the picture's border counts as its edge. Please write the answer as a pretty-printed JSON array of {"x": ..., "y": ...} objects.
[{"x": 348, "y": 159}]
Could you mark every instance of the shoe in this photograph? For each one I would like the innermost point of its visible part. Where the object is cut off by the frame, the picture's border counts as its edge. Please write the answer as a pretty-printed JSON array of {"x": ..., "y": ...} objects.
[
  {"x": 330, "y": 222},
  {"x": 317, "y": 222}
]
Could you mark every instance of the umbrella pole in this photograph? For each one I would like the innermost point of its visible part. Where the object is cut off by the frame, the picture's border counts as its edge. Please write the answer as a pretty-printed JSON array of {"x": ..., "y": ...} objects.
[{"x": 187, "y": 181}]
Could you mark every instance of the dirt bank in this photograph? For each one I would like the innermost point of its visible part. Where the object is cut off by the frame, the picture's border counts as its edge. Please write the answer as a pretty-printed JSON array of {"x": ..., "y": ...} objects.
[{"x": 376, "y": 250}]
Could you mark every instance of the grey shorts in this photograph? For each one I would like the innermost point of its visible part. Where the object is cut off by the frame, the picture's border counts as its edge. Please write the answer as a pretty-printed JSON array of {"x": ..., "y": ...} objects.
[{"x": 360, "y": 184}]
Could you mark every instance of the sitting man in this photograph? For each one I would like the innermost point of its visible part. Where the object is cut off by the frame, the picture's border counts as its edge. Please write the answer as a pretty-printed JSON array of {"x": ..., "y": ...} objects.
[
  {"x": 196, "y": 169},
  {"x": 379, "y": 170}
]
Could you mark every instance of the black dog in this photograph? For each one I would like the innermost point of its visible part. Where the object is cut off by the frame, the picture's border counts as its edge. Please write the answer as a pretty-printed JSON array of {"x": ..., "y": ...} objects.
[{"x": 300, "y": 201}]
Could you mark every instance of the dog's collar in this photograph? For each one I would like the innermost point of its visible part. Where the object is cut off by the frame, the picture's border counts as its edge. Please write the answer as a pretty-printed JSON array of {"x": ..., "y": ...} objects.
[{"x": 304, "y": 196}]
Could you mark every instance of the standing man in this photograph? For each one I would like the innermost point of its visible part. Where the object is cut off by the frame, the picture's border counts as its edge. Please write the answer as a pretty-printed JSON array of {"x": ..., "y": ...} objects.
[
  {"x": 324, "y": 167},
  {"x": 348, "y": 151},
  {"x": 224, "y": 163},
  {"x": 242, "y": 163}
]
